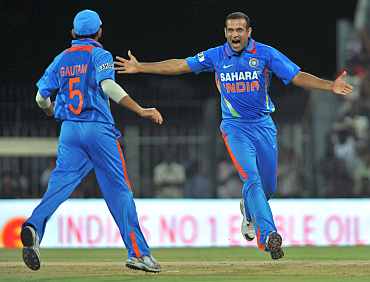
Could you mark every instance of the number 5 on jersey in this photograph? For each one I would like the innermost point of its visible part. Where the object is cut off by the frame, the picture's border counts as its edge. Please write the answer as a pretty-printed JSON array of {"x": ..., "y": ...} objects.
[{"x": 73, "y": 93}]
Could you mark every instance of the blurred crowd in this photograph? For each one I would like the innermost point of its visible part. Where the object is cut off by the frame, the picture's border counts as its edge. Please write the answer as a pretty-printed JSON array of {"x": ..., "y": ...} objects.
[{"x": 346, "y": 166}]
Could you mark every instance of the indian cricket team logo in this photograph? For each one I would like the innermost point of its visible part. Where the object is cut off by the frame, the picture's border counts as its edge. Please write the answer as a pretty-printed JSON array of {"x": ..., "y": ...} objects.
[
  {"x": 253, "y": 62},
  {"x": 201, "y": 57}
]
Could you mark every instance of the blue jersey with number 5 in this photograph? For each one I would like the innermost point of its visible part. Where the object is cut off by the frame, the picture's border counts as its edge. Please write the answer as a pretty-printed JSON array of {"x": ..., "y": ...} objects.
[{"x": 75, "y": 76}]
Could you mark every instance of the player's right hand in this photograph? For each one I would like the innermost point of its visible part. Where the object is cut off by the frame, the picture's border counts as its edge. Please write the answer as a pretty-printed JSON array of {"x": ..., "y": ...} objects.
[
  {"x": 340, "y": 86},
  {"x": 153, "y": 114},
  {"x": 123, "y": 65},
  {"x": 49, "y": 111}
]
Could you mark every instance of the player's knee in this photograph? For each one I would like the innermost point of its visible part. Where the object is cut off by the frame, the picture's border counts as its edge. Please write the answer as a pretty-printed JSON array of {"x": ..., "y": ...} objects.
[{"x": 251, "y": 182}]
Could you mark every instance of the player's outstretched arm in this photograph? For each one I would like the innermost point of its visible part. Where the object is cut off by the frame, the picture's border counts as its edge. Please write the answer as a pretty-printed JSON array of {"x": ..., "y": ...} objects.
[
  {"x": 120, "y": 96},
  {"x": 338, "y": 86},
  {"x": 168, "y": 67}
]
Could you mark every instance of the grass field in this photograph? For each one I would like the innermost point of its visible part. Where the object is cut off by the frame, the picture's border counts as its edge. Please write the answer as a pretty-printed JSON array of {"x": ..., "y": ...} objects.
[{"x": 194, "y": 264}]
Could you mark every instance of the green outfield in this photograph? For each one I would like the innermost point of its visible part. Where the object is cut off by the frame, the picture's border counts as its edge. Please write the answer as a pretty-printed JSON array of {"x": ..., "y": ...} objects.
[{"x": 194, "y": 264}]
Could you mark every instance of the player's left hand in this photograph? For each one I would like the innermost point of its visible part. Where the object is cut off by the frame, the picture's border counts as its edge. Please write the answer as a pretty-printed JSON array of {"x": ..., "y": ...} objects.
[
  {"x": 49, "y": 111},
  {"x": 153, "y": 114},
  {"x": 340, "y": 86}
]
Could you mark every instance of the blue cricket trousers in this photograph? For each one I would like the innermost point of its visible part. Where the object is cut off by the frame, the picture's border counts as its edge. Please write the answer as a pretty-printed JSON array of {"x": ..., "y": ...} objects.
[
  {"x": 84, "y": 146},
  {"x": 252, "y": 147}
]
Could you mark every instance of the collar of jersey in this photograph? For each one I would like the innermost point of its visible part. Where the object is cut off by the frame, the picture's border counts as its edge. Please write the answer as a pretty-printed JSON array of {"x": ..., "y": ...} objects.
[
  {"x": 86, "y": 41},
  {"x": 251, "y": 48}
]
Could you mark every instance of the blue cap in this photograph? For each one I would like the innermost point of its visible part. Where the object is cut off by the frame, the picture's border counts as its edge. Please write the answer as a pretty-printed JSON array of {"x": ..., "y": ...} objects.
[{"x": 86, "y": 22}]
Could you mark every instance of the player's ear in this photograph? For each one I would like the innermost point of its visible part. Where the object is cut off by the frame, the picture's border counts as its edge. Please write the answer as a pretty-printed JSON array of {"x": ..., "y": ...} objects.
[
  {"x": 225, "y": 32},
  {"x": 249, "y": 32},
  {"x": 73, "y": 34},
  {"x": 100, "y": 33}
]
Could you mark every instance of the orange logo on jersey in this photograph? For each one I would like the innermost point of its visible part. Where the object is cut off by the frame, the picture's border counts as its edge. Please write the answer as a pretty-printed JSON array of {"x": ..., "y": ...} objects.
[{"x": 10, "y": 235}]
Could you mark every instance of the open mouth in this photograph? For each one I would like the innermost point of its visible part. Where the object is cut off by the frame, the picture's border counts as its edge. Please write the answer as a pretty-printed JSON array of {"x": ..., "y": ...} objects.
[{"x": 235, "y": 41}]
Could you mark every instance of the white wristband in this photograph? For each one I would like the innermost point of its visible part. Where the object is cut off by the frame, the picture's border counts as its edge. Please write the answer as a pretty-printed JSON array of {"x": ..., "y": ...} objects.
[
  {"x": 42, "y": 102},
  {"x": 113, "y": 90}
]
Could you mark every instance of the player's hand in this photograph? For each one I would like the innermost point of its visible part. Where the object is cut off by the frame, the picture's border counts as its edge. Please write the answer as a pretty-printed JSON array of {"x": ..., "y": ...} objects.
[
  {"x": 153, "y": 114},
  {"x": 49, "y": 111},
  {"x": 340, "y": 86},
  {"x": 123, "y": 65}
]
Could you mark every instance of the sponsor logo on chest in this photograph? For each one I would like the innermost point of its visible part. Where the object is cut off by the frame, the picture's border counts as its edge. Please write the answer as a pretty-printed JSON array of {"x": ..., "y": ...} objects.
[{"x": 239, "y": 76}]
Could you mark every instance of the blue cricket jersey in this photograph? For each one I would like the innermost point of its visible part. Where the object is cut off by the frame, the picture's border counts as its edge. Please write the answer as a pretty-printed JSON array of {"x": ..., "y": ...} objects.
[
  {"x": 245, "y": 77},
  {"x": 75, "y": 76}
]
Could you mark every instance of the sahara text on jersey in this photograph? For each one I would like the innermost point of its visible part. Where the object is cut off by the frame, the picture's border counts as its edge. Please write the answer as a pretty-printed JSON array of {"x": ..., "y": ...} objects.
[{"x": 236, "y": 81}]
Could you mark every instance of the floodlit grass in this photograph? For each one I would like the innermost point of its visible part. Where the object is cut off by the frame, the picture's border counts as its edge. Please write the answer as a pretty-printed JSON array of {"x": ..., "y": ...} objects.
[{"x": 194, "y": 264}]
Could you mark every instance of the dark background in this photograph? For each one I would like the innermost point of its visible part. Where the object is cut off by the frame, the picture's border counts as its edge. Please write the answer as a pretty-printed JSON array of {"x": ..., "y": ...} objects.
[{"x": 33, "y": 32}]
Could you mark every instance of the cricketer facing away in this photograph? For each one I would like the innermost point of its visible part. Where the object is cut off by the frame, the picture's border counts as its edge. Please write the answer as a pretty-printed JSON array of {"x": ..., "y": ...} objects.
[
  {"x": 82, "y": 77},
  {"x": 243, "y": 70}
]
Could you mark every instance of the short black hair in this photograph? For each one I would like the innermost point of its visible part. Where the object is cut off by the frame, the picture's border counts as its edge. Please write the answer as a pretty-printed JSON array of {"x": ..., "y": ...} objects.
[
  {"x": 238, "y": 15},
  {"x": 92, "y": 36},
  {"x": 86, "y": 36}
]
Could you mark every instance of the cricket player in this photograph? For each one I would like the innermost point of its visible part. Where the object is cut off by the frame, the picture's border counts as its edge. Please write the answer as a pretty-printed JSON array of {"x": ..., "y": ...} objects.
[
  {"x": 243, "y": 70},
  {"x": 82, "y": 77}
]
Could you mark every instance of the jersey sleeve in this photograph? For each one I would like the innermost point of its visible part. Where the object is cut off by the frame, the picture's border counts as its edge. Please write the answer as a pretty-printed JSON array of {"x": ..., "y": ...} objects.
[
  {"x": 282, "y": 66},
  {"x": 103, "y": 61},
  {"x": 48, "y": 84},
  {"x": 203, "y": 61}
]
